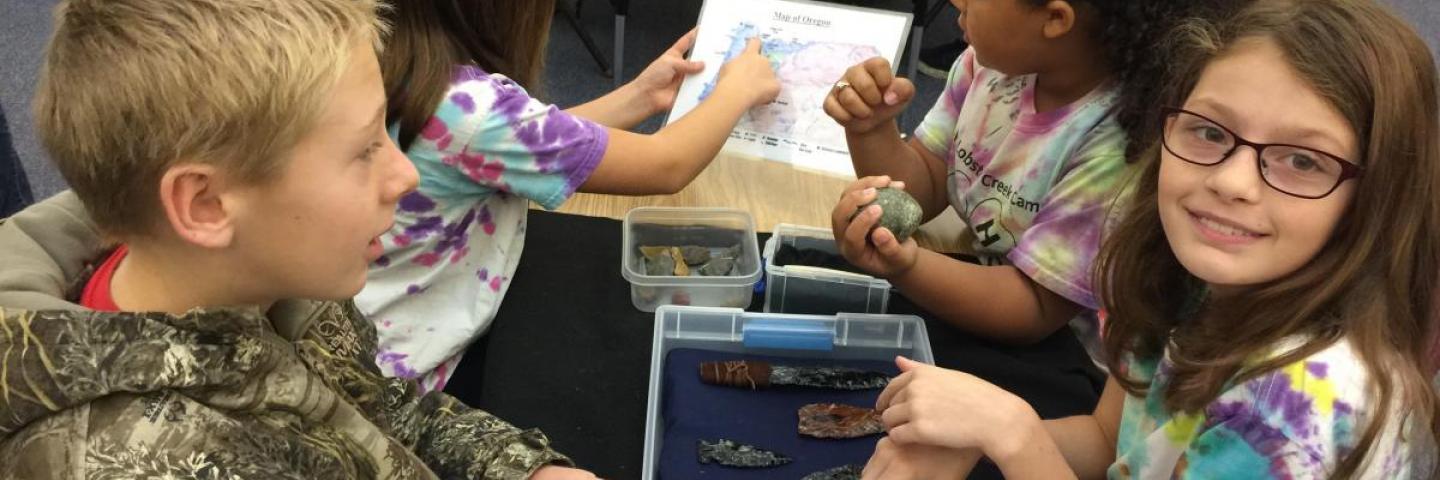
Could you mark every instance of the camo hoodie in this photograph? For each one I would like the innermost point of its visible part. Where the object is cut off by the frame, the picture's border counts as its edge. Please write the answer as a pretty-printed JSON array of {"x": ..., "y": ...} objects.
[{"x": 291, "y": 393}]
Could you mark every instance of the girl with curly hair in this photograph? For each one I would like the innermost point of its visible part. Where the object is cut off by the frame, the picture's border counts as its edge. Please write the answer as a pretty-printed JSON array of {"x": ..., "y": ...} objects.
[{"x": 1027, "y": 143}]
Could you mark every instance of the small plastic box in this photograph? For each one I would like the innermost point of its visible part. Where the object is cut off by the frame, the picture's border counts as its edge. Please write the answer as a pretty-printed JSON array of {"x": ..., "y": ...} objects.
[
  {"x": 847, "y": 336},
  {"x": 715, "y": 228},
  {"x": 815, "y": 290}
]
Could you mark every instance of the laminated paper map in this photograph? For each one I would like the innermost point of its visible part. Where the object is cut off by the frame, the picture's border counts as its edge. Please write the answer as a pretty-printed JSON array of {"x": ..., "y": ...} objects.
[{"x": 810, "y": 45}]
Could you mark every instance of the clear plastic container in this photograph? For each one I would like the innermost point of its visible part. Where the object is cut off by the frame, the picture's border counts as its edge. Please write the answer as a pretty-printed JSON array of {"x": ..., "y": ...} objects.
[
  {"x": 714, "y": 228},
  {"x": 847, "y": 336},
  {"x": 815, "y": 290}
]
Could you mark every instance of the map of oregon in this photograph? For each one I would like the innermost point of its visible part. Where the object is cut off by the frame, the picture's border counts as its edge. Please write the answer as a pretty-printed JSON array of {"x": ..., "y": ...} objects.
[
  {"x": 807, "y": 70},
  {"x": 810, "y": 45}
]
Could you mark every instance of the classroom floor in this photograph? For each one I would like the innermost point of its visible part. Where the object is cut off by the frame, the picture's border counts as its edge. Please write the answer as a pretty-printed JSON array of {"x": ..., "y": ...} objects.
[{"x": 571, "y": 78}]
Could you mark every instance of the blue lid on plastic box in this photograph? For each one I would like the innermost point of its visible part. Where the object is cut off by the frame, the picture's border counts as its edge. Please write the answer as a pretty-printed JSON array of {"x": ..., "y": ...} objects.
[{"x": 788, "y": 334}]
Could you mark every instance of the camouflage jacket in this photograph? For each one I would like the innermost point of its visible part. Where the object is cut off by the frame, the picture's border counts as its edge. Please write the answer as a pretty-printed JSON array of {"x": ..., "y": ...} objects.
[{"x": 292, "y": 393}]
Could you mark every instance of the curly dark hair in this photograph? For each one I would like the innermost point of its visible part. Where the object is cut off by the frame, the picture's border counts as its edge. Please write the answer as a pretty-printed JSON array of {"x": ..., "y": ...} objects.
[{"x": 1133, "y": 34}]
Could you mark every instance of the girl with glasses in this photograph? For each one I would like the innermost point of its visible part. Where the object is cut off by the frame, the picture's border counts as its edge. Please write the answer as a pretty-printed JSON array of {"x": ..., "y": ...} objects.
[{"x": 1271, "y": 287}]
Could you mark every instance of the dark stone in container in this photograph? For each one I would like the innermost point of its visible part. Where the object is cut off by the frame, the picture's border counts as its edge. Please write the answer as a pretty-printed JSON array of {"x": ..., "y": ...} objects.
[
  {"x": 843, "y": 472},
  {"x": 732, "y": 454}
]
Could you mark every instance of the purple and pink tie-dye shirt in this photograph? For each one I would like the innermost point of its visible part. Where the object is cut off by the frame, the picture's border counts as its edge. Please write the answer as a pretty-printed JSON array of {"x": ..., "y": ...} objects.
[
  {"x": 1299, "y": 421},
  {"x": 488, "y": 151},
  {"x": 1035, "y": 188}
]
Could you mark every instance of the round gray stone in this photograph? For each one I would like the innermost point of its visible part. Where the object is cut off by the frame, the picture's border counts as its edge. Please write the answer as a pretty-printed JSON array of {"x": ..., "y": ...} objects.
[{"x": 899, "y": 212}]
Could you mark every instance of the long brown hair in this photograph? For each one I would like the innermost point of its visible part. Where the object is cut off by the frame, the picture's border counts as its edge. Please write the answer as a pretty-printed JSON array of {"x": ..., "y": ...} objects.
[
  {"x": 430, "y": 38},
  {"x": 1372, "y": 284}
]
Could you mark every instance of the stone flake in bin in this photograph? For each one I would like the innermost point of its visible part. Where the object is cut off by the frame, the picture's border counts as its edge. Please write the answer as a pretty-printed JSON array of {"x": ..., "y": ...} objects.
[
  {"x": 833, "y": 420},
  {"x": 733, "y": 454},
  {"x": 844, "y": 472}
]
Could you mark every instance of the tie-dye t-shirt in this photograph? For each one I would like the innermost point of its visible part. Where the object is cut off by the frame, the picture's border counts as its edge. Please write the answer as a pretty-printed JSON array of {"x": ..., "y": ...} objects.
[
  {"x": 1035, "y": 188},
  {"x": 1296, "y": 422},
  {"x": 487, "y": 152}
]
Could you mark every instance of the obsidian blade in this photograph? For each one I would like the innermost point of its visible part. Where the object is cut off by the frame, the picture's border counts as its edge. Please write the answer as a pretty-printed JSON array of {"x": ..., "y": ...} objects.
[
  {"x": 734, "y": 454},
  {"x": 844, "y": 472}
]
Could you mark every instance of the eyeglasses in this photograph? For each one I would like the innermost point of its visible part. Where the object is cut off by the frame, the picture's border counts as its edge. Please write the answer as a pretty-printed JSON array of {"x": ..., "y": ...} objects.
[{"x": 1293, "y": 170}]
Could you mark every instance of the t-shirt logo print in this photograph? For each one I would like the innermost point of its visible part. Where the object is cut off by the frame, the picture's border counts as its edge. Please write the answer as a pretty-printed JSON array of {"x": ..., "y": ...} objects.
[{"x": 990, "y": 232}]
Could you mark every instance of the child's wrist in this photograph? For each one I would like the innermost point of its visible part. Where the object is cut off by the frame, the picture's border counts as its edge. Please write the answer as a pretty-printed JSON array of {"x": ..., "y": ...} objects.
[
  {"x": 902, "y": 272},
  {"x": 1016, "y": 436},
  {"x": 737, "y": 93},
  {"x": 632, "y": 96},
  {"x": 885, "y": 128}
]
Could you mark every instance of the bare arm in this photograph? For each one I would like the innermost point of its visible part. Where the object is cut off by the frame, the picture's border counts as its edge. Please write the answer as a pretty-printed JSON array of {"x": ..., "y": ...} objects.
[
  {"x": 997, "y": 302},
  {"x": 621, "y": 109},
  {"x": 653, "y": 90},
  {"x": 1082, "y": 446},
  {"x": 866, "y": 103},
  {"x": 1000, "y": 302},
  {"x": 929, "y": 406},
  {"x": 665, "y": 162},
  {"x": 882, "y": 152},
  {"x": 1020, "y": 444},
  {"x": 1088, "y": 441}
]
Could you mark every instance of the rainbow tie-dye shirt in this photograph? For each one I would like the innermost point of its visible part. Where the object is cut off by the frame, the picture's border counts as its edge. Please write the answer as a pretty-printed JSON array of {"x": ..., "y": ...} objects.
[
  {"x": 488, "y": 151},
  {"x": 1035, "y": 188},
  {"x": 1296, "y": 422}
]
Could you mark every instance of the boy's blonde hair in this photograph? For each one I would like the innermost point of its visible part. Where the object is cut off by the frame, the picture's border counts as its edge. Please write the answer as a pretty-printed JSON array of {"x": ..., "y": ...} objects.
[{"x": 130, "y": 88}]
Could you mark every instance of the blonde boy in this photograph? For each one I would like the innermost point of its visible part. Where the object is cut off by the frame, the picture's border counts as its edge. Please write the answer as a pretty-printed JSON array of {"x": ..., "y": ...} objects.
[{"x": 234, "y": 154}]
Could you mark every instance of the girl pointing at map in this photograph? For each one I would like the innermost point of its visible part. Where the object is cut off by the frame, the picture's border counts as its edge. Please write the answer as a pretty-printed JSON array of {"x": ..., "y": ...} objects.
[{"x": 455, "y": 73}]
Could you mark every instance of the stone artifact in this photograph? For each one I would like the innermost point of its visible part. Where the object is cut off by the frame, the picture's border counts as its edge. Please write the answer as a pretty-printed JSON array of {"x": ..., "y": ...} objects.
[
  {"x": 833, "y": 420},
  {"x": 732, "y": 454},
  {"x": 717, "y": 267},
  {"x": 658, "y": 261},
  {"x": 754, "y": 374},
  {"x": 681, "y": 268},
  {"x": 689, "y": 260},
  {"x": 899, "y": 212},
  {"x": 694, "y": 255},
  {"x": 845, "y": 472}
]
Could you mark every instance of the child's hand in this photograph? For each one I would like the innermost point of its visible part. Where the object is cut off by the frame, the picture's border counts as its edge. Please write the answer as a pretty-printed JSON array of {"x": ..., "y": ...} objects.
[
  {"x": 893, "y": 461},
  {"x": 867, "y": 96},
  {"x": 751, "y": 73},
  {"x": 660, "y": 82},
  {"x": 873, "y": 249},
  {"x": 562, "y": 473},
  {"x": 930, "y": 405}
]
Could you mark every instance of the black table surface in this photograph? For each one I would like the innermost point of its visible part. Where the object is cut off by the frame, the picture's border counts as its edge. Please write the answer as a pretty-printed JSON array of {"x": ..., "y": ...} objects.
[{"x": 569, "y": 354}]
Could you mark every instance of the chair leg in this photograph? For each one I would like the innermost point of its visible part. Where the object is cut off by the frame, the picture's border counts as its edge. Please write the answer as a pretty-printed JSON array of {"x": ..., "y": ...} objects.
[
  {"x": 570, "y": 17},
  {"x": 934, "y": 12},
  {"x": 618, "y": 62},
  {"x": 917, "y": 33}
]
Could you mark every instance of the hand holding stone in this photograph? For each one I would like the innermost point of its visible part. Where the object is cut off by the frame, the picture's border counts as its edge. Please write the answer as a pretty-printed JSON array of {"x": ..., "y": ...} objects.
[{"x": 861, "y": 236}]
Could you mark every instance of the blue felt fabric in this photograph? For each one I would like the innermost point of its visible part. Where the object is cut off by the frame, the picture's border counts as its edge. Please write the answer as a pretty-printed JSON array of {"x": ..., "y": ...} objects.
[{"x": 692, "y": 410}]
